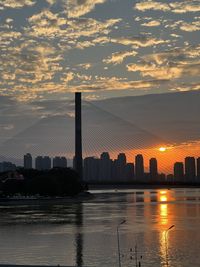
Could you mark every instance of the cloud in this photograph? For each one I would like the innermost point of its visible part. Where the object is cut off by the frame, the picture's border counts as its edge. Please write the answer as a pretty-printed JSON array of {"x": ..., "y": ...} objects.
[
  {"x": 139, "y": 41},
  {"x": 85, "y": 66},
  {"x": 184, "y": 87},
  {"x": 152, "y": 23},
  {"x": 190, "y": 27},
  {"x": 26, "y": 64},
  {"x": 77, "y": 8},
  {"x": 51, "y": 25},
  {"x": 117, "y": 58},
  {"x": 175, "y": 7},
  {"x": 155, "y": 71},
  {"x": 69, "y": 77},
  {"x": 148, "y": 5},
  {"x": 172, "y": 64},
  {"x": 115, "y": 84},
  {"x": 185, "y": 6},
  {"x": 16, "y": 4}
]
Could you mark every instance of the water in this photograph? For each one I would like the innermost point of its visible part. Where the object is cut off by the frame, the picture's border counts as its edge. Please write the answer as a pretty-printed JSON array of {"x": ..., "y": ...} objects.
[{"x": 84, "y": 233}]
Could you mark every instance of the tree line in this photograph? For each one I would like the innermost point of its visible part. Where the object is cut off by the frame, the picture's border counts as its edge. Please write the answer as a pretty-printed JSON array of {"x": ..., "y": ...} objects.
[{"x": 54, "y": 182}]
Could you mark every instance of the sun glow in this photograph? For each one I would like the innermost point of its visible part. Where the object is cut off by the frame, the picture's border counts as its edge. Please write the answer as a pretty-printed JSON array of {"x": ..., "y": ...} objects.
[{"x": 162, "y": 149}]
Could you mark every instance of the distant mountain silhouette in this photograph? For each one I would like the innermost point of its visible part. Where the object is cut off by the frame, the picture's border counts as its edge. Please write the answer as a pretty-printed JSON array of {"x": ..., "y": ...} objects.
[{"x": 109, "y": 125}]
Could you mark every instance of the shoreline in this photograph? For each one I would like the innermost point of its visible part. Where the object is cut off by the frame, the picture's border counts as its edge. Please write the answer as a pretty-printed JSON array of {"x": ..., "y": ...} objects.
[{"x": 140, "y": 186}]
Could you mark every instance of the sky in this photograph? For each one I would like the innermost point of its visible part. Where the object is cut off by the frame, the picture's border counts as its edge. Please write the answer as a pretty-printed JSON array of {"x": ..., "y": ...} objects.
[{"x": 108, "y": 50}]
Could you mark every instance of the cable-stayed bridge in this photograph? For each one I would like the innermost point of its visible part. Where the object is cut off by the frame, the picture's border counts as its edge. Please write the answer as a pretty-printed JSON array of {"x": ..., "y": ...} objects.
[{"x": 47, "y": 128}]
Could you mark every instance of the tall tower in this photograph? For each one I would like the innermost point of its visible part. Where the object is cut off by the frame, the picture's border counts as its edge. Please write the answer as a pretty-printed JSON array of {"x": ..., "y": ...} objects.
[
  {"x": 153, "y": 168},
  {"x": 178, "y": 172},
  {"x": 198, "y": 169},
  {"x": 139, "y": 167},
  {"x": 28, "y": 161},
  {"x": 78, "y": 136},
  {"x": 190, "y": 171}
]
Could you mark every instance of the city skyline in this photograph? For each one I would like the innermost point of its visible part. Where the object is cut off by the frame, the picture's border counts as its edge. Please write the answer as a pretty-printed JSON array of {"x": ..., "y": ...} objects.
[
  {"x": 137, "y": 67},
  {"x": 105, "y": 169},
  {"x": 129, "y": 124}
]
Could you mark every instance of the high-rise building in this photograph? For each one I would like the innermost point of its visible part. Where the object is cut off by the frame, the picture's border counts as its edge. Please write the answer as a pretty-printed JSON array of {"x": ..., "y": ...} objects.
[
  {"x": 198, "y": 169},
  {"x": 39, "y": 163},
  {"x": 114, "y": 171},
  {"x": 28, "y": 161},
  {"x": 139, "y": 167},
  {"x": 190, "y": 171},
  {"x": 60, "y": 162},
  {"x": 7, "y": 166},
  {"x": 129, "y": 172},
  {"x": 153, "y": 168},
  {"x": 63, "y": 162},
  {"x": 120, "y": 164},
  {"x": 43, "y": 163},
  {"x": 178, "y": 172},
  {"x": 91, "y": 169},
  {"x": 46, "y": 163},
  {"x": 105, "y": 167},
  {"x": 105, "y": 156}
]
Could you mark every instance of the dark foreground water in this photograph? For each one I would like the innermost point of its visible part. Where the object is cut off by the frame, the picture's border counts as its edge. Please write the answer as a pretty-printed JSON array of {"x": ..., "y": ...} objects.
[{"x": 84, "y": 233}]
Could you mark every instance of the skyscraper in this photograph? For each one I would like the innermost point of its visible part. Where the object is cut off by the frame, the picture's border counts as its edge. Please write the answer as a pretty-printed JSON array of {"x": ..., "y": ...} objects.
[
  {"x": 28, "y": 161},
  {"x": 139, "y": 167},
  {"x": 120, "y": 165},
  {"x": 78, "y": 136},
  {"x": 153, "y": 168},
  {"x": 105, "y": 167},
  {"x": 43, "y": 163},
  {"x": 178, "y": 172},
  {"x": 129, "y": 172},
  {"x": 190, "y": 171},
  {"x": 46, "y": 164},
  {"x": 60, "y": 162},
  {"x": 198, "y": 169},
  {"x": 91, "y": 169},
  {"x": 39, "y": 163},
  {"x": 7, "y": 166}
]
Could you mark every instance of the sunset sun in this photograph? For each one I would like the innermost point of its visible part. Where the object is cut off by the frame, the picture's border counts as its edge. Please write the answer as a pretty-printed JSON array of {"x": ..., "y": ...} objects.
[{"x": 162, "y": 149}]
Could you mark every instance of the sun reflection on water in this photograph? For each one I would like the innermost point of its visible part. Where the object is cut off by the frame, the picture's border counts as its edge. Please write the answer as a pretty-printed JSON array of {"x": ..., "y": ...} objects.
[{"x": 164, "y": 196}]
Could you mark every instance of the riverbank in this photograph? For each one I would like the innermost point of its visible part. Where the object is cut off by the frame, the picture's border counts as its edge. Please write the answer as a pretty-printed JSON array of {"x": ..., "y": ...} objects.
[
  {"x": 43, "y": 200},
  {"x": 140, "y": 186}
]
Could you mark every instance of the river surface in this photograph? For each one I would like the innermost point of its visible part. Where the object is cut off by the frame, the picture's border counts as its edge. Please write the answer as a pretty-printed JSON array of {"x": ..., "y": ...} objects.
[{"x": 85, "y": 233}]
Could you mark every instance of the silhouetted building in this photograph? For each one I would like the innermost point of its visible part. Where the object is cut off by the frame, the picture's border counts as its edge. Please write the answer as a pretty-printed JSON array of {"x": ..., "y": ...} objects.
[
  {"x": 7, "y": 166},
  {"x": 28, "y": 161},
  {"x": 198, "y": 169},
  {"x": 46, "y": 163},
  {"x": 60, "y": 162},
  {"x": 42, "y": 163},
  {"x": 153, "y": 169},
  {"x": 190, "y": 172},
  {"x": 161, "y": 177},
  {"x": 139, "y": 167},
  {"x": 39, "y": 163},
  {"x": 129, "y": 172},
  {"x": 91, "y": 169},
  {"x": 120, "y": 164},
  {"x": 78, "y": 136},
  {"x": 170, "y": 178},
  {"x": 178, "y": 172},
  {"x": 105, "y": 167},
  {"x": 114, "y": 171}
]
